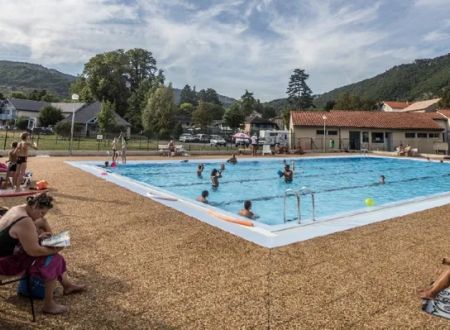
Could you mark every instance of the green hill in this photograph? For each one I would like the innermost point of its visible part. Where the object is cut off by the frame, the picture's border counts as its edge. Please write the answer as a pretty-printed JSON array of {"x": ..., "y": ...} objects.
[
  {"x": 20, "y": 76},
  {"x": 422, "y": 79}
]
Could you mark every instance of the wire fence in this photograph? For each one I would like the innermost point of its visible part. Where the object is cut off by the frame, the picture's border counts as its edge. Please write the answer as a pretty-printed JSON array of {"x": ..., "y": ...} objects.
[{"x": 134, "y": 142}]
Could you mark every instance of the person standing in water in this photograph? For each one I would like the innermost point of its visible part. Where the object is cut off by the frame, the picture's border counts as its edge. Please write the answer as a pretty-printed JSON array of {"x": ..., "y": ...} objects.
[
  {"x": 114, "y": 150},
  {"x": 124, "y": 147},
  {"x": 22, "y": 157}
]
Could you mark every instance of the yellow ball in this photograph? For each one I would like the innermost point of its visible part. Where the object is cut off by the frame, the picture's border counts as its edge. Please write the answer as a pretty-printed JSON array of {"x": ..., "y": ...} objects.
[{"x": 369, "y": 202}]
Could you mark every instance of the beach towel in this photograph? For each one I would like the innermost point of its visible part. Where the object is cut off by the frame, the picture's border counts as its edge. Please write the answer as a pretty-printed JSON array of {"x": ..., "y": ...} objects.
[{"x": 439, "y": 306}]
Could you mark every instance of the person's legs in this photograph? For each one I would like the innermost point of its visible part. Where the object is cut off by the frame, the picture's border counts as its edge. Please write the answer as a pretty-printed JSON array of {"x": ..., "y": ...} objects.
[
  {"x": 440, "y": 284},
  {"x": 50, "y": 305},
  {"x": 20, "y": 171},
  {"x": 69, "y": 286}
]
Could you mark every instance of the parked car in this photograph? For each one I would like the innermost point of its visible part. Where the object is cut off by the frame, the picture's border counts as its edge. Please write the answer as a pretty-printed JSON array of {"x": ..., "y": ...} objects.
[
  {"x": 202, "y": 138},
  {"x": 217, "y": 140},
  {"x": 42, "y": 130},
  {"x": 186, "y": 137}
]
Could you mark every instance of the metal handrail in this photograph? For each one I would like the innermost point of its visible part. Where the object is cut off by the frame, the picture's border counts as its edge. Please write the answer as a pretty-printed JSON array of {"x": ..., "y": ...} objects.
[{"x": 298, "y": 193}]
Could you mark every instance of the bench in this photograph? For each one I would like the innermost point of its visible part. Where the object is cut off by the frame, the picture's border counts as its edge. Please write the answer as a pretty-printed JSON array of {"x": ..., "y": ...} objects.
[{"x": 164, "y": 150}]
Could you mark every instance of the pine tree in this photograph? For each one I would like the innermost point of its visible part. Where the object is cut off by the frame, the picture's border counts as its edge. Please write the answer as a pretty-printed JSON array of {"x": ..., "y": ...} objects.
[{"x": 299, "y": 94}]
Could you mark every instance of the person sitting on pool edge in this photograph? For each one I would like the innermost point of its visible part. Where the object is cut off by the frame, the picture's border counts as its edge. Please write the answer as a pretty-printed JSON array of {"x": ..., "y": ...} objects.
[
  {"x": 232, "y": 160},
  {"x": 203, "y": 197},
  {"x": 288, "y": 174},
  {"x": 200, "y": 169},
  {"x": 437, "y": 286},
  {"x": 215, "y": 175},
  {"x": 245, "y": 212}
]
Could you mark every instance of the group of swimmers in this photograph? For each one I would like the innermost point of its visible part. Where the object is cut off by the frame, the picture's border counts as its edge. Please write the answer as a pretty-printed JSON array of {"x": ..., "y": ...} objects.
[
  {"x": 288, "y": 175},
  {"x": 17, "y": 161}
]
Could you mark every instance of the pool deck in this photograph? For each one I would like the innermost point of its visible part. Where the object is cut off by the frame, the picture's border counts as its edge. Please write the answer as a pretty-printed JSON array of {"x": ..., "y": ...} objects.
[{"x": 149, "y": 266}]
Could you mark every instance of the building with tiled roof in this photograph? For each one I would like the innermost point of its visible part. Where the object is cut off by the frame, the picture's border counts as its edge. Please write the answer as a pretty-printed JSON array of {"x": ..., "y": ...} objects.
[
  {"x": 393, "y": 105},
  {"x": 372, "y": 130}
]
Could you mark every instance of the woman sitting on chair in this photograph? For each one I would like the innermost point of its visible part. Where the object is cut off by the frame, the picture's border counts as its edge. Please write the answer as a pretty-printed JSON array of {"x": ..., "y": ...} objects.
[{"x": 20, "y": 250}]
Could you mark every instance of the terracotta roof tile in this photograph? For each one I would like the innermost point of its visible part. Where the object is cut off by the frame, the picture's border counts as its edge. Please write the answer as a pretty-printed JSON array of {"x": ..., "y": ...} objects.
[
  {"x": 445, "y": 112},
  {"x": 396, "y": 105},
  {"x": 366, "y": 119}
]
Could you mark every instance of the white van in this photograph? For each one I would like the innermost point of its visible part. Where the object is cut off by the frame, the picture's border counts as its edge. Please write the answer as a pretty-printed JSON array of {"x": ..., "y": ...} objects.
[{"x": 274, "y": 137}]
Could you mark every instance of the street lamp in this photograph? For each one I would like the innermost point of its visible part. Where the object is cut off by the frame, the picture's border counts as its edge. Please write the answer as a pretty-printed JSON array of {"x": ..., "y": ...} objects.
[
  {"x": 324, "y": 133},
  {"x": 75, "y": 97}
]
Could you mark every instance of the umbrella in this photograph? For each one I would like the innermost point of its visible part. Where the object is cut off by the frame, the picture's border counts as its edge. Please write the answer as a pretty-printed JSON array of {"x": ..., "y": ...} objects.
[{"x": 241, "y": 135}]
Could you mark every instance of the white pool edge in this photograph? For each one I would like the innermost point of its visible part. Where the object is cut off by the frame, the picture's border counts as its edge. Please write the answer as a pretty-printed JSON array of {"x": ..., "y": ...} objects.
[{"x": 262, "y": 234}]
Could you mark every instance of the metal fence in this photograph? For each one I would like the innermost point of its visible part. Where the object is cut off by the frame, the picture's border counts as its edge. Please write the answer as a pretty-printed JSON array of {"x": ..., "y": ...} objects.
[{"x": 135, "y": 142}]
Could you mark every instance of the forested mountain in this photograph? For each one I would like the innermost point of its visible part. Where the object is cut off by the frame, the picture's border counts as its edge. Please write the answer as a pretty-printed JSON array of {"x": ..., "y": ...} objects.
[
  {"x": 422, "y": 79},
  {"x": 25, "y": 77},
  {"x": 20, "y": 76}
]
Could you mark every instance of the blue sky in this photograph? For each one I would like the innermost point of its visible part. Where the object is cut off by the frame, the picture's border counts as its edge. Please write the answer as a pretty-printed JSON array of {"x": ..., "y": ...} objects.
[{"x": 232, "y": 45}]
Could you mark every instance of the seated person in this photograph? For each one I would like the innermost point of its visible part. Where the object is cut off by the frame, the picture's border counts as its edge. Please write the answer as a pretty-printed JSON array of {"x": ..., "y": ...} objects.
[
  {"x": 245, "y": 212},
  {"x": 215, "y": 175},
  {"x": 203, "y": 197},
  {"x": 20, "y": 250},
  {"x": 232, "y": 160},
  {"x": 288, "y": 174},
  {"x": 400, "y": 150},
  {"x": 171, "y": 147},
  {"x": 440, "y": 284},
  {"x": 407, "y": 150}
]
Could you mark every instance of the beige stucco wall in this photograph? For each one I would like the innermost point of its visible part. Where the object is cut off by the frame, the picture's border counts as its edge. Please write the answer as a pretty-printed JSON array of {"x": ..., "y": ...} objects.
[{"x": 308, "y": 139}]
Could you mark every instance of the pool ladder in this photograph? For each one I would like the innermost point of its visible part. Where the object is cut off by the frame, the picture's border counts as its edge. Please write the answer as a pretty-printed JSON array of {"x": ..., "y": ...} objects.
[{"x": 298, "y": 196}]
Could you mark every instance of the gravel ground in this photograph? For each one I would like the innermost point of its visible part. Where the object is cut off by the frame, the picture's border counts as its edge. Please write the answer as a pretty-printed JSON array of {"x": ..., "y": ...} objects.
[{"x": 150, "y": 267}]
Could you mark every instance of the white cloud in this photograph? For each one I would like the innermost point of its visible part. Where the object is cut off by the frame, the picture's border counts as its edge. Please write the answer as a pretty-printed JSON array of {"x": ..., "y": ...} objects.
[{"x": 227, "y": 45}]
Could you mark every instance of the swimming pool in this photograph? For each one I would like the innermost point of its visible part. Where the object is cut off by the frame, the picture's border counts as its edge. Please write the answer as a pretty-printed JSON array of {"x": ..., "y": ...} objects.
[{"x": 341, "y": 185}]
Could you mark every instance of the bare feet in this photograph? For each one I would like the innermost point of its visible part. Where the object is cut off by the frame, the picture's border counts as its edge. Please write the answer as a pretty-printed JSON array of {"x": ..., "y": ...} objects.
[
  {"x": 74, "y": 288},
  {"x": 54, "y": 308},
  {"x": 426, "y": 294}
]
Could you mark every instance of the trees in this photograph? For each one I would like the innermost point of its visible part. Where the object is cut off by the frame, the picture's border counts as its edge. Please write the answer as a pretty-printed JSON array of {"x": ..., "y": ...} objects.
[
  {"x": 79, "y": 86},
  {"x": 186, "y": 109},
  {"x": 18, "y": 95},
  {"x": 42, "y": 95},
  {"x": 106, "y": 76},
  {"x": 158, "y": 116},
  {"x": 268, "y": 112},
  {"x": 233, "y": 116},
  {"x": 201, "y": 116},
  {"x": 106, "y": 119},
  {"x": 188, "y": 95},
  {"x": 299, "y": 94},
  {"x": 248, "y": 103},
  {"x": 209, "y": 95},
  {"x": 22, "y": 123},
  {"x": 142, "y": 66},
  {"x": 50, "y": 116},
  {"x": 445, "y": 98},
  {"x": 353, "y": 102}
]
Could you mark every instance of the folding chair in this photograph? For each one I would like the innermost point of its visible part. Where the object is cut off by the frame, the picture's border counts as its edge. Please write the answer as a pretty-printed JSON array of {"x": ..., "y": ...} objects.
[{"x": 5, "y": 280}]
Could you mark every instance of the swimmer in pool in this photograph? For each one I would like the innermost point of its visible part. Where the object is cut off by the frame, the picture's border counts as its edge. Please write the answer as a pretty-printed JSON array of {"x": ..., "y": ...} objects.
[
  {"x": 246, "y": 211},
  {"x": 203, "y": 197},
  {"x": 200, "y": 169},
  {"x": 382, "y": 179},
  {"x": 215, "y": 175},
  {"x": 288, "y": 174}
]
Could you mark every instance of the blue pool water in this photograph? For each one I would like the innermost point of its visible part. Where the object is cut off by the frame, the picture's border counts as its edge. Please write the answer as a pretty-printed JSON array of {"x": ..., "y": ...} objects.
[{"x": 341, "y": 184}]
